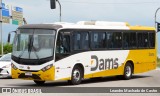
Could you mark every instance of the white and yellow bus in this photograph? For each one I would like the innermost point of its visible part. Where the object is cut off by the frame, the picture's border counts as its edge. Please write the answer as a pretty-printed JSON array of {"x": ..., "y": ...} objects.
[{"x": 87, "y": 49}]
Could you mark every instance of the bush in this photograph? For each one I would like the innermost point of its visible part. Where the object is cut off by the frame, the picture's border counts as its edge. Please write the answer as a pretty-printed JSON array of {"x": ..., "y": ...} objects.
[{"x": 7, "y": 48}]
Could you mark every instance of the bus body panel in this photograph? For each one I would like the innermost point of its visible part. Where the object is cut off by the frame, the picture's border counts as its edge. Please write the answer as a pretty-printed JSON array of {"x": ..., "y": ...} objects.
[
  {"x": 144, "y": 60},
  {"x": 98, "y": 63},
  {"x": 142, "y": 63},
  {"x": 101, "y": 61}
]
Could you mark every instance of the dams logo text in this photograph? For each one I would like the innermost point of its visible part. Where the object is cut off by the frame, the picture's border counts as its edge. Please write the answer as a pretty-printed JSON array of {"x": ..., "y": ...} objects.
[{"x": 103, "y": 64}]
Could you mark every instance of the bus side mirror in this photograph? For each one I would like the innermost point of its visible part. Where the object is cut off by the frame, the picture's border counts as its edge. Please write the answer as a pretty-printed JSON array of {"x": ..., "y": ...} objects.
[
  {"x": 9, "y": 37},
  {"x": 53, "y": 4}
]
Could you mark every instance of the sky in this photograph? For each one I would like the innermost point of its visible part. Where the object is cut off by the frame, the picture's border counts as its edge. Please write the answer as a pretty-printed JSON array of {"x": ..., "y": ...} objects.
[{"x": 135, "y": 12}]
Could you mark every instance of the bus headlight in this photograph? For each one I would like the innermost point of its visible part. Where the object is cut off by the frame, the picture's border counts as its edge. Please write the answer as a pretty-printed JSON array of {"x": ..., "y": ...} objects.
[
  {"x": 14, "y": 67},
  {"x": 47, "y": 68}
]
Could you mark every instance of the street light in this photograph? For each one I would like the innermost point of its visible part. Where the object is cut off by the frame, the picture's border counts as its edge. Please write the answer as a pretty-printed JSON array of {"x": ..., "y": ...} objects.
[
  {"x": 60, "y": 14},
  {"x": 53, "y": 6},
  {"x": 156, "y": 23}
]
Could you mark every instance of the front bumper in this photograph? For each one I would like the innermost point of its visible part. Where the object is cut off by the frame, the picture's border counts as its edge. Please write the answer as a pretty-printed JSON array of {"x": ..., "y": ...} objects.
[
  {"x": 38, "y": 75},
  {"x": 5, "y": 72}
]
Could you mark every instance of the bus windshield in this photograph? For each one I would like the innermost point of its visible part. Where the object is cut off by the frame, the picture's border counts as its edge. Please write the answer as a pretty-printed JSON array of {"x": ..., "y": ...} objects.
[{"x": 33, "y": 43}]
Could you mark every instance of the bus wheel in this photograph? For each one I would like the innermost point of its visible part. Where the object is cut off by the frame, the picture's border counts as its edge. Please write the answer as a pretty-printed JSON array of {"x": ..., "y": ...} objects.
[
  {"x": 76, "y": 76},
  {"x": 39, "y": 82},
  {"x": 128, "y": 70}
]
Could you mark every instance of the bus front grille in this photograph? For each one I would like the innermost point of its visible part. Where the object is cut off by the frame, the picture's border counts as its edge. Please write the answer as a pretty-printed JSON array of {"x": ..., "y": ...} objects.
[{"x": 34, "y": 76}]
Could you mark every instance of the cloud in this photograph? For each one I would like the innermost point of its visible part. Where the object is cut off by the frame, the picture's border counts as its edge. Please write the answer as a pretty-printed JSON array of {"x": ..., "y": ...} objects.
[
  {"x": 38, "y": 11},
  {"x": 135, "y": 12}
]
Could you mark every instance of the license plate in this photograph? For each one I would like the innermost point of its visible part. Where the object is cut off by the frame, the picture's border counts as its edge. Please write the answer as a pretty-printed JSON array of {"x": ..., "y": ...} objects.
[{"x": 28, "y": 74}]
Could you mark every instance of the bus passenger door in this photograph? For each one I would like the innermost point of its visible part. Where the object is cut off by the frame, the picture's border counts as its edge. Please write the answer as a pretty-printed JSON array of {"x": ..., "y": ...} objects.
[
  {"x": 62, "y": 51},
  {"x": 62, "y": 45}
]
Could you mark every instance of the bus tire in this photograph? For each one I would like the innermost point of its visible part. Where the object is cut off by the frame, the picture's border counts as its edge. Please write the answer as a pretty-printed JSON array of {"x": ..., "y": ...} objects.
[
  {"x": 39, "y": 82},
  {"x": 128, "y": 71},
  {"x": 76, "y": 76}
]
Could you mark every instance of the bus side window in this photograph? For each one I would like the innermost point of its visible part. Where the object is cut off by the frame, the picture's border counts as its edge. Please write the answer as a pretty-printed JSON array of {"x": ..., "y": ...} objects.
[
  {"x": 117, "y": 40},
  {"x": 126, "y": 40},
  {"x": 59, "y": 47},
  {"x": 66, "y": 43},
  {"x": 143, "y": 40},
  {"x": 80, "y": 41},
  {"x": 84, "y": 41},
  {"x": 110, "y": 40},
  {"x": 140, "y": 41},
  {"x": 76, "y": 40},
  {"x": 63, "y": 43},
  {"x": 98, "y": 40},
  {"x": 132, "y": 40},
  {"x": 94, "y": 40},
  {"x": 152, "y": 40}
]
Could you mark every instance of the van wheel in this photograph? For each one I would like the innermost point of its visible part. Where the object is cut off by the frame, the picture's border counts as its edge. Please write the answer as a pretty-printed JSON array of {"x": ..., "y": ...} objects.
[
  {"x": 76, "y": 76},
  {"x": 128, "y": 70},
  {"x": 39, "y": 82}
]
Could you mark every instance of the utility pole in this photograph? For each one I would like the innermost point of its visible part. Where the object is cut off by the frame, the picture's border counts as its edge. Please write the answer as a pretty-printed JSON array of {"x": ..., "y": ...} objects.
[{"x": 1, "y": 33}]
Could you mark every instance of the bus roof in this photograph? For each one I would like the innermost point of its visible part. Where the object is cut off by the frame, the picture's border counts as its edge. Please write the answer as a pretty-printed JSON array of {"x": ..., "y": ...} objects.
[
  {"x": 88, "y": 25},
  {"x": 40, "y": 26}
]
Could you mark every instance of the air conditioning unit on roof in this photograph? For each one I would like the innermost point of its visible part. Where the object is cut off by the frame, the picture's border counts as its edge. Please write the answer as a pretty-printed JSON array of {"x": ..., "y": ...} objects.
[{"x": 102, "y": 23}]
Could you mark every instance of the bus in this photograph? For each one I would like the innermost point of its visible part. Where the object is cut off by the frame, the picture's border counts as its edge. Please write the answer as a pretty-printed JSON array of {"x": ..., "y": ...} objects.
[{"x": 83, "y": 50}]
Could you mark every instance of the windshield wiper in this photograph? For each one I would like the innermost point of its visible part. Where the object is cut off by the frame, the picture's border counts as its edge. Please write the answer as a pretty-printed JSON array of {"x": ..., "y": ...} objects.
[
  {"x": 31, "y": 46},
  {"x": 20, "y": 55}
]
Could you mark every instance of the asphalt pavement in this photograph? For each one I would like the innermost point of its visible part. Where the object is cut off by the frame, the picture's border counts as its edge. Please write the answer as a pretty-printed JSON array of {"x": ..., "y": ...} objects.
[{"x": 148, "y": 79}]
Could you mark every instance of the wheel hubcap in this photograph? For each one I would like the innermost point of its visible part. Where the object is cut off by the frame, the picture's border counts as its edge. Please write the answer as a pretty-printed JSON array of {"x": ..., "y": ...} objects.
[
  {"x": 128, "y": 71},
  {"x": 76, "y": 75}
]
